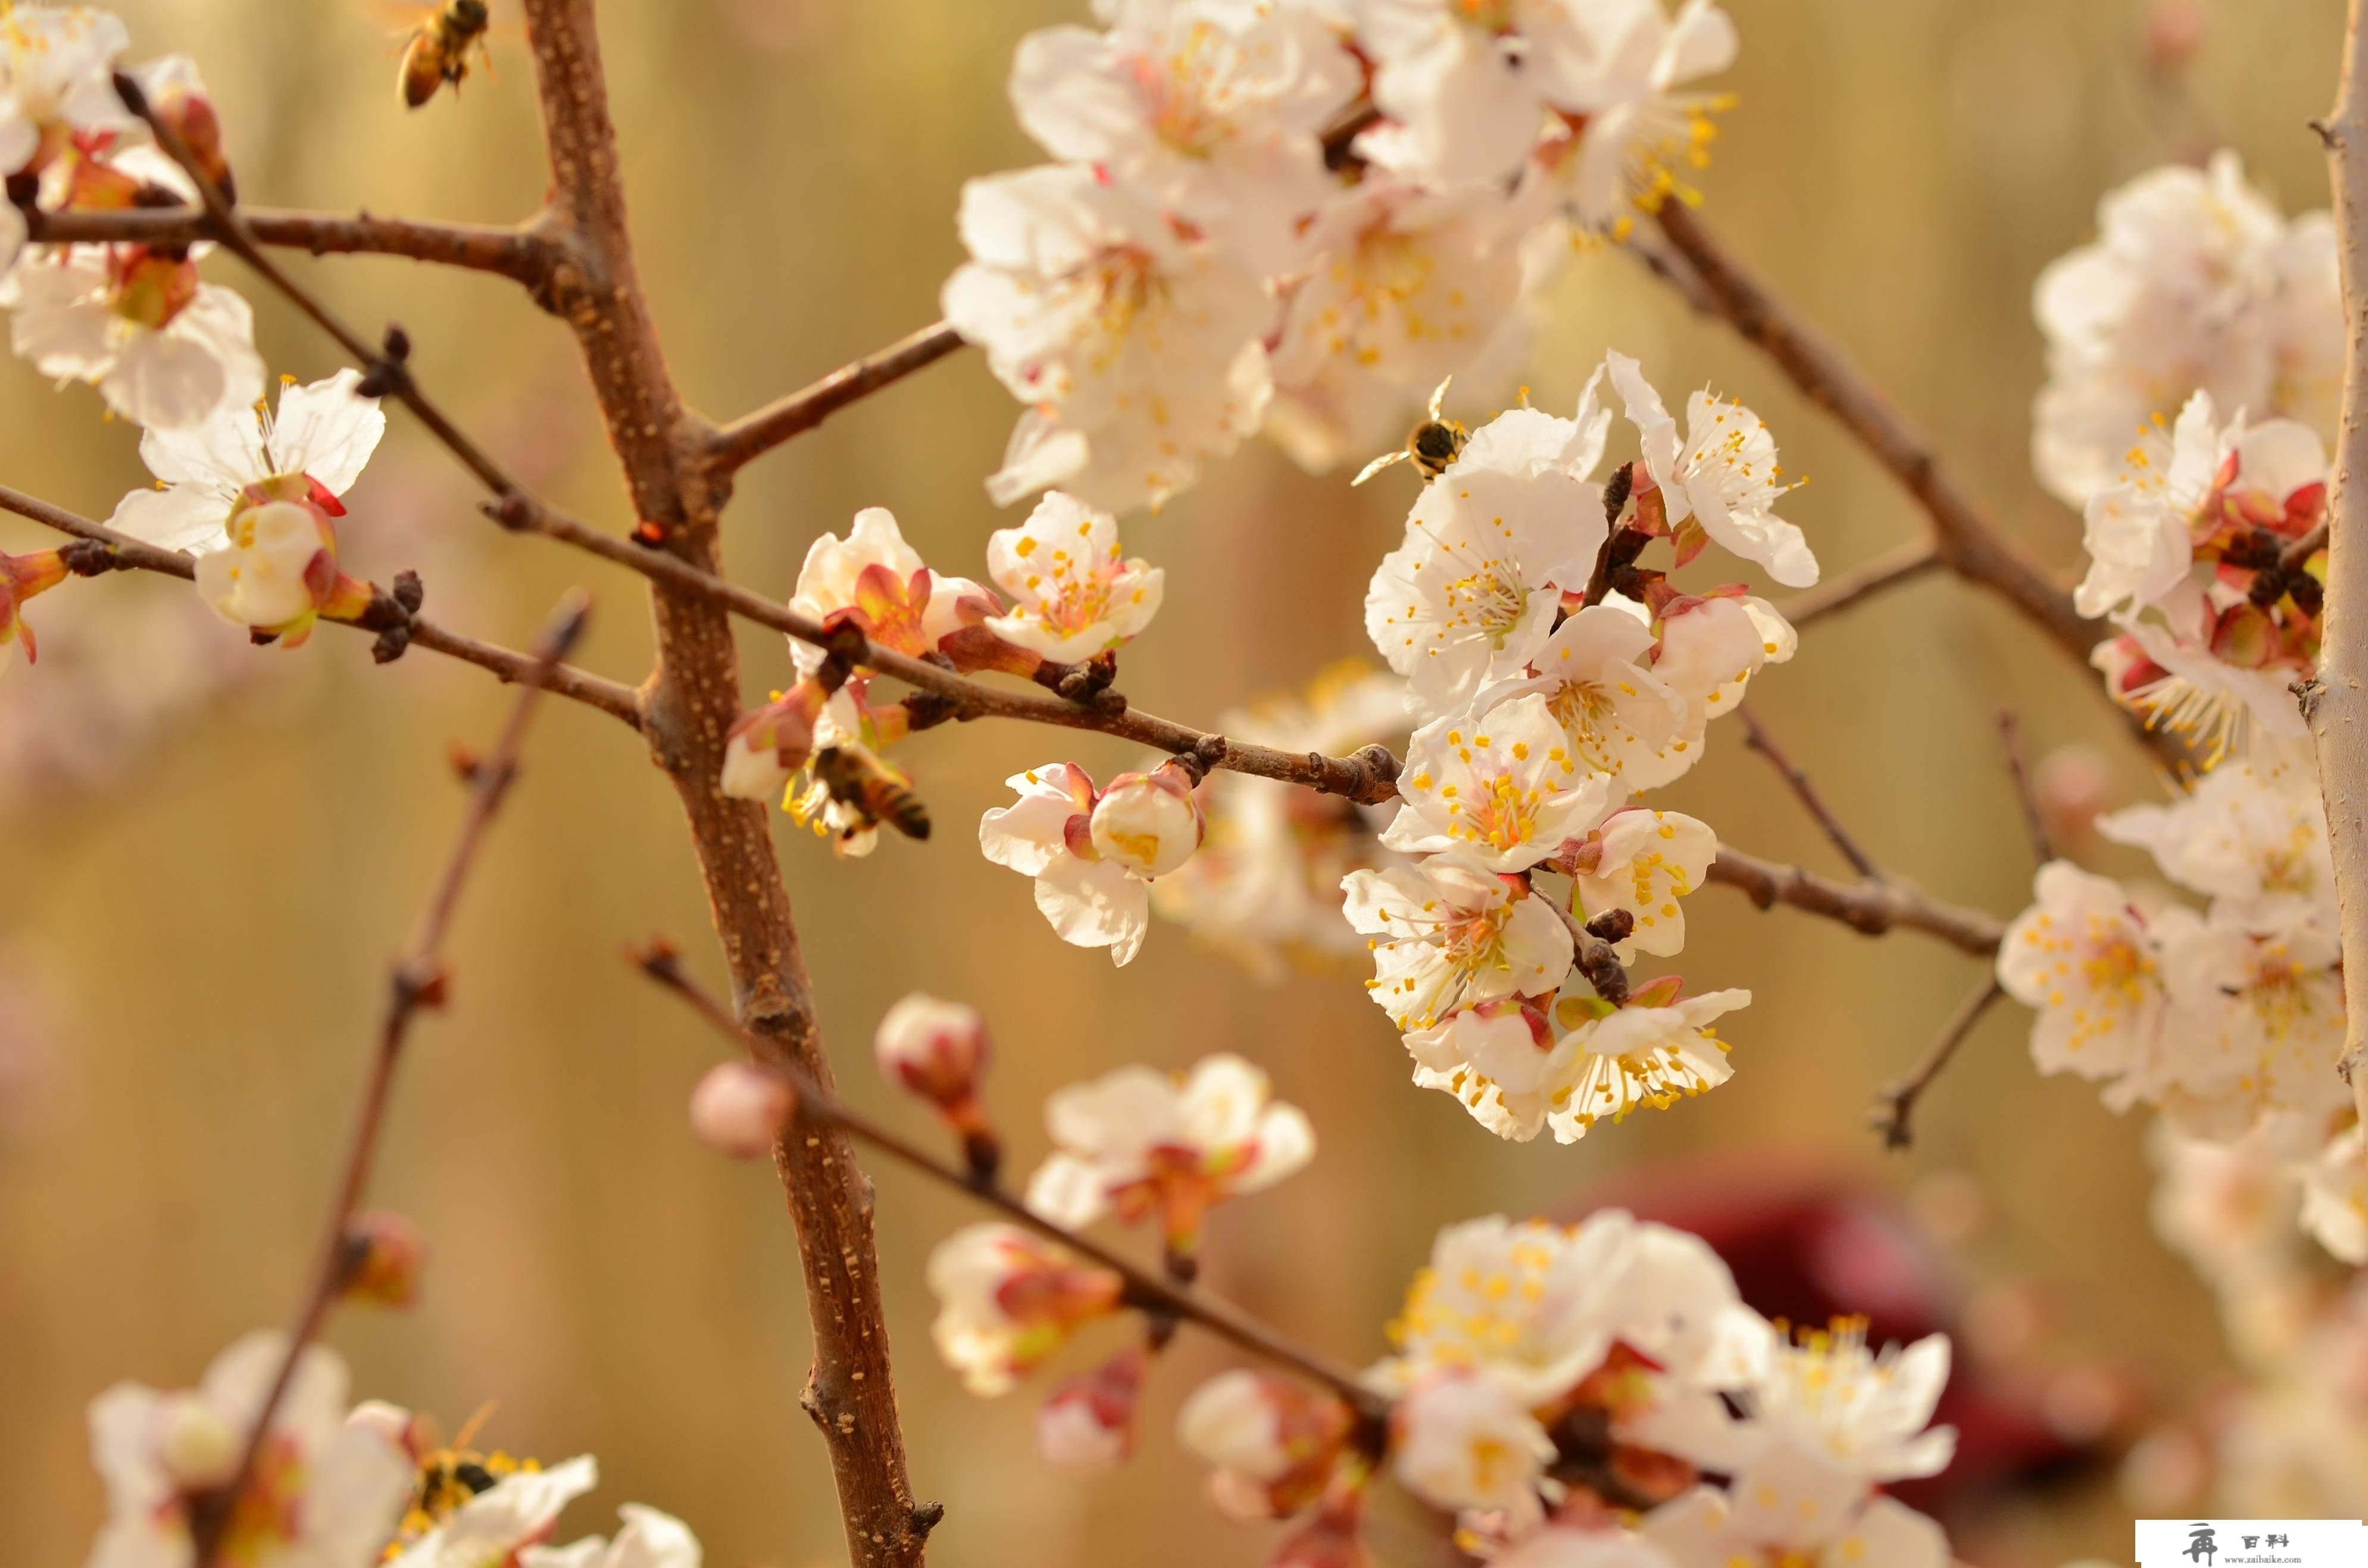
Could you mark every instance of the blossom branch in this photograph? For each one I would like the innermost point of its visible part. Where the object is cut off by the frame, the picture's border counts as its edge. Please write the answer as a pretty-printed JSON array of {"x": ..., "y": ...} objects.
[
  {"x": 520, "y": 253},
  {"x": 754, "y": 435},
  {"x": 2035, "y": 820},
  {"x": 1889, "y": 570},
  {"x": 2334, "y": 703},
  {"x": 1756, "y": 737},
  {"x": 1149, "y": 1291},
  {"x": 1871, "y": 907},
  {"x": 1898, "y": 1103},
  {"x": 386, "y": 614},
  {"x": 417, "y": 983}
]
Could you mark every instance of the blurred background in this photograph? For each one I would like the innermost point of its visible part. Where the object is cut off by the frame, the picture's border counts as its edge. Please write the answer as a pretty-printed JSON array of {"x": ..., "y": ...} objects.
[{"x": 210, "y": 852}]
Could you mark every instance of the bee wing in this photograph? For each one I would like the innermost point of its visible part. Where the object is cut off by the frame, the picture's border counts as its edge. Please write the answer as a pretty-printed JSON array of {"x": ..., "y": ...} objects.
[{"x": 1379, "y": 463}]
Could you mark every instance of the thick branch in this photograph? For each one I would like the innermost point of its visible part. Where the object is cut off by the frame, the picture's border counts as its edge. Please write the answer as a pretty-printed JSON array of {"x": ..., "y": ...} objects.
[
  {"x": 1889, "y": 570},
  {"x": 2335, "y": 704},
  {"x": 693, "y": 700},
  {"x": 758, "y": 432},
  {"x": 1869, "y": 908},
  {"x": 523, "y": 253},
  {"x": 617, "y": 700},
  {"x": 417, "y": 982}
]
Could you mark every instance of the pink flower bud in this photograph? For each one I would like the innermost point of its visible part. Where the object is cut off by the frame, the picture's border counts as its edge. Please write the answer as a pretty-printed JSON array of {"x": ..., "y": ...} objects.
[
  {"x": 1149, "y": 822},
  {"x": 2072, "y": 784},
  {"x": 740, "y": 1110},
  {"x": 935, "y": 1049},
  {"x": 21, "y": 577},
  {"x": 385, "y": 1256},
  {"x": 2174, "y": 36},
  {"x": 1271, "y": 1442},
  {"x": 1088, "y": 1422}
]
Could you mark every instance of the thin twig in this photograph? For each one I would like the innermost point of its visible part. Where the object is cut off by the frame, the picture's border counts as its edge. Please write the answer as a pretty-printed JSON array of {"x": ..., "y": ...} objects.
[
  {"x": 2035, "y": 820},
  {"x": 1889, "y": 570},
  {"x": 2296, "y": 556},
  {"x": 1756, "y": 736},
  {"x": 1897, "y": 1104},
  {"x": 519, "y": 253},
  {"x": 1869, "y": 908},
  {"x": 756, "y": 433},
  {"x": 417, "y": 982},
  {"x": 1146, "y": 1289},
  {"x": 617, "y": 700}
]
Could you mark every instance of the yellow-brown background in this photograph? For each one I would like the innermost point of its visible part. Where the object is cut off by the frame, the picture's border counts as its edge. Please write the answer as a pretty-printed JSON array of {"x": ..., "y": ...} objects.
[{"x": 219, "y": 925}]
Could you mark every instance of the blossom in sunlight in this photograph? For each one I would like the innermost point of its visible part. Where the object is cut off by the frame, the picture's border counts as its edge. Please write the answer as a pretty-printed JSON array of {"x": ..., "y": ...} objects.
[
  {"x": 1140, "y": 1142},
  {"x": 1501, "y": 786},
  {"x": 1650, "y": 1052},
  {"x": 1722, "y": 473},
  {"x": 649, "y": 1540},
  {"x": 1091, "y": 871},
  {"x": 1148, "y": 823},
  {"x": 2335, "y": 1198},
  {"x": 1462, "y": 1441},
  {"x": 1007, "y": 1300},
  {"x": 2087, "y": 960},
  {"x": 1642, "y": 136},
  {"x": 279, "y": 574},
  {"x": 1139, "y": 353},
  {"x": 1645, "y": 861},
  {"x": 2167, "y": 671},
  {"x": 2195, "y": 283},
  {"x": 1270, "y": 1443},
  {"x": 1619, "y": 716},
  {"x": 2252, "y": 832},
  {"x": 765, "y": 749},
  {"x": 1073, "y": 596},
  {"x": 1087, "y": 1422},
  {"x": 1707, "y": 652},
  {"x": 21, "y": 577},
  {"x": 1448, "y": 933},
  {"x": 876, "y": 582},
  {"x": 1469, "y": 85},
  {"x": 1210, "y": 108},
  {"x": 164, "y": 348},
  {"x": 518, "y": 1512},
  {"x": 1410, "y": 286},
  {"x": 325, "y": 1491},
  {"x": 1473, "y": 593}
]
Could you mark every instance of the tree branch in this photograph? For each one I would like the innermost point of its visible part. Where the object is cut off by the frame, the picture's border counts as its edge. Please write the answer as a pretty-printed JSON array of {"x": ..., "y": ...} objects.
[
  {"x": 2034, "y": 818},
  {"x": 522, "y": 254},
  {"x": 1756, "y": 737},
  {"x": 1869, "y": 908},
  {"x": 618, "y": 701},
  {"x": 2335, "y": 704},
  {"x": 1904, "y": 565},
  {"x": 1147, "y": 1289},
  {"x": 754, "y": 435},
  {"x": 417, "y": 982},
  {"x": 1898, "y": 1103}
]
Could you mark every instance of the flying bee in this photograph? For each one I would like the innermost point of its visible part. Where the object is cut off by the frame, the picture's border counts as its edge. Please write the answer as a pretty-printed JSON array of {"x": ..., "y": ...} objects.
[
  {"x": 876, "y": 790},
  {"x": 1431, "y": 446},
  {"x": 441, "y": 38}
]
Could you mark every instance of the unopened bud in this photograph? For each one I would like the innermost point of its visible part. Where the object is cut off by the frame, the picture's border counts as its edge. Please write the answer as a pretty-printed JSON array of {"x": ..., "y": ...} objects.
[
  {"x": 197, "y": 1447},
  {"x": 740, "y": 1110},
  {"x": 1149, "y": 822},
  {"x": 937, "y": 1049},
  {"x": 1088, "y": 1422},
  {"x": 384, "y": 1258},
  {"x": 2174, "y": 36}
]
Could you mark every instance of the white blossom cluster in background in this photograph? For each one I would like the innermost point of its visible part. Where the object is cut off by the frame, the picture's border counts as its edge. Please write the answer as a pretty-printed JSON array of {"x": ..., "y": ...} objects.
[{"x": 1301, "y": 215}]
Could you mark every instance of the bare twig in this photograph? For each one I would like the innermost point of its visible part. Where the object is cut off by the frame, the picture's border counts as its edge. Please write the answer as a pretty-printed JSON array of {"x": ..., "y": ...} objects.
[
  {"x": 2296, "y": 556},
  {"x": 754, "y": 435},
  {"x": 2035, "y": 820},
  {"x": 1756, "y": 737},
  {"x": 2335, "y": 704},
  {"x": 521, "y": 253},
  {"x": 1889, "y": 570},
  {"x": 618, "y": 701},
  {"x": 1896, "y": 1104},
  {"x": 1869, "y": 908},
  {"x": 417, "y": 982},
  {"x": 1147, "y": 1289}
]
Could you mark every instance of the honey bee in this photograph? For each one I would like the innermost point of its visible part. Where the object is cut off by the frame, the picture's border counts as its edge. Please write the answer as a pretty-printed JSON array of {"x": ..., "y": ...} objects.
[
  {"x": 448, "y": 1477},
  {"x": 1431, "y": 446},
  {"x": 875, "y": 790},
  {"x": 438, "y": 51}
]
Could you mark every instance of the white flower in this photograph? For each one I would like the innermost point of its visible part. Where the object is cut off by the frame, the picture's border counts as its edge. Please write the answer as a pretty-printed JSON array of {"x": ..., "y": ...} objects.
[
  {"x": 2335, "y": 1198},
  {"x": 312, "y": 450},
  {"x": 1091, "y": 901},
  {"x": 765, "y": 748},
  {"x": 1141, "y": 1142},
  {"x": 1619, "y": 716},
  {"x": 1463, "y": 1441},
  {"x": 519, "y": 1511},
  {"x": 1646, "y": 861},
  {"x": 1638, "y": 1055},
  {"x": 1087, "y": 1422},
  {"x": 1502, "y": 786},
  {"x": 1072, "y": 595},
  {"x": 2195, "y": 283},
  {"x": 1449, "y": 934},
  {"x": 650, "y": 1539},
  {"x": 2085, "y": 957},
  {"x": 55, "y": 81},
  {"x": 278, "y": 572},
  {"x": 1271, "y": 1442},
  {"x": 1139, "y": 354},
  {"x": 324, "y": 1492},
  {"x": 2252, "y": 834},
  {"x": 2166, "y": 671},
  {"x": 1469, "y": 84},
  {"x": 1639, "y": 131},
  {"x": 1724, "y": 473},
  {"x": 1410, "y": 288},
  {"x": 874, "y": 578},
  {"x": 2259, "y": 1019},
  {"x": 1007, "y": 1300},
  {"x": 1471, "y": 595},
  {"x": 1519, "y": 1300},
  {"x": 1563, "y": 1547},
  {"x": 1709, "y": 650},
  {"x": 2138, "y": 532},
  {"x": 1148, "y": 823},
  {"x": 1865, "y": 1412},
  {"x": 1210, "y": 108},
  {"x": 164, "y": 348},
  {"x": 1795, "y": 1510},
  {"x": 2228, "y": 1207}
]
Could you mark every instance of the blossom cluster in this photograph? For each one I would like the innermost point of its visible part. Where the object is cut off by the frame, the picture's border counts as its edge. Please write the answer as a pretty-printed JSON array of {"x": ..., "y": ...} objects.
[{"x": 1301, "y": 215}]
